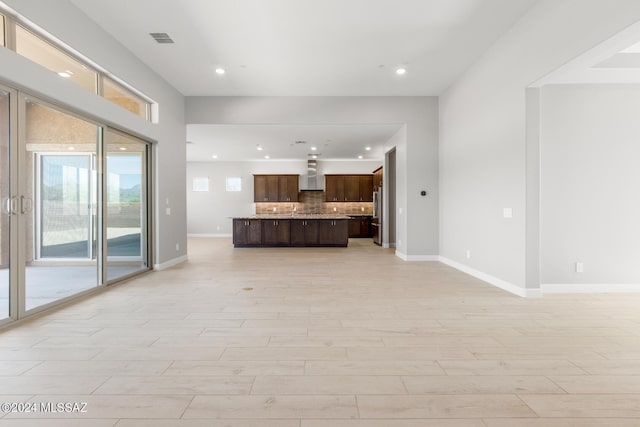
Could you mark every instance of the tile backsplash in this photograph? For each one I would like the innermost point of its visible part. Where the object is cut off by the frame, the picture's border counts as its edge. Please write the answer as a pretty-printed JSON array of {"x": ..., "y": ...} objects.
[{"x": 313, "y": 202}]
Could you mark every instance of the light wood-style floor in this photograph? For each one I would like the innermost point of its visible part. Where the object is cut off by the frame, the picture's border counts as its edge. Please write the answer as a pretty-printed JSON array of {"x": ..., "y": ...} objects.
[{"x": 302, "y": 337}]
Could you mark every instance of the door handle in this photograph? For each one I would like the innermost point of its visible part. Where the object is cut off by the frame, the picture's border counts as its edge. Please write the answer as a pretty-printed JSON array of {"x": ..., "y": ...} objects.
[
  {"x": 13, "y": 205},
  {"x": 26, "y": 204}
]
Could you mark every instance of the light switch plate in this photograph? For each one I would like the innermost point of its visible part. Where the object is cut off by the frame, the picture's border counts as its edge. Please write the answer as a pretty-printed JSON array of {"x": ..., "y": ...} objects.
[
  {"x": 167, "y": 211},
  {"x": 507, "y": 212}
]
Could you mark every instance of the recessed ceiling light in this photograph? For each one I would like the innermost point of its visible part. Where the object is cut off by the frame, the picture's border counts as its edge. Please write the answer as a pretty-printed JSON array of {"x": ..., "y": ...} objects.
[
  {"x": 220, "y": 71},
  {"x": 367, "y": 148},
  {"x": 314, "y": 148},
  {"x": 314, "y": 157},
  {"x": 259, "y": 148},
  {"x": 401, "y": 71},
  {"x": 65, "y": 74},
  {"x": 266, "y": 157},
  {"x": 123, "y": 149},
  {"x": 215, "y": 156},
  {"x": 360, "y": 157}
]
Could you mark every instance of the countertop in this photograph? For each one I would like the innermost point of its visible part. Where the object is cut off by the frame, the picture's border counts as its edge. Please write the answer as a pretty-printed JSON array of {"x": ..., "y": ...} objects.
[{"x": 296, "y": 216}]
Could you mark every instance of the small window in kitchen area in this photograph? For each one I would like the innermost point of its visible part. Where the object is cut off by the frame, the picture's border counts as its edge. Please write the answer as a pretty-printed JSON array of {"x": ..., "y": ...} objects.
[
  {"x": 234, "y": 184},
  {"x": 201, "y": 184}
]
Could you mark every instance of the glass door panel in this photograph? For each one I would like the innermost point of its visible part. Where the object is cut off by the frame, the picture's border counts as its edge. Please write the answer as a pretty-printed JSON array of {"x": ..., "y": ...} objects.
[
  {"x": 125, "y": 217},
  {"x": 5, "y": 198},
  {"x": 58, "y": 187}
]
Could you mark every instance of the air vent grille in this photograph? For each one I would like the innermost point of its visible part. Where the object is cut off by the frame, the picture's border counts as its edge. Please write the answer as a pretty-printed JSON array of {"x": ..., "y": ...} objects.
[{"x": 162, "y": 38}]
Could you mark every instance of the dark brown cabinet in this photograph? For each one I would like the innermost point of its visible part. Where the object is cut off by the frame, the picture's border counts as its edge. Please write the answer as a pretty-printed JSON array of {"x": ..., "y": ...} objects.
[
  {"x": 276, "y": 232},
  {"x": 377, "y": 178},
  {"x": 360, "y": 226},
  {"x": 275, "y": 188},
  {"x": 334, "y": 188},
  {"x": 247, "y": 232},
  {"x": 366, "y": 188},
  {"x": 288, "y": 188},
  {"x": 333, "y": 232},
  {"x": 304, "y": 232},
  {"x": 348, "y": 188}
]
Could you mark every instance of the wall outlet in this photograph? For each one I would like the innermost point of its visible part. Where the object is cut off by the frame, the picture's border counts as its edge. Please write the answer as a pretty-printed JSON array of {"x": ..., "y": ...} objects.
[
  {"x": 399, "y": 243},
  {"x": 217, "y": 228},
  {"x": 167, "y": 211},
  {"x": 468, "y": 254},
  {"x": 166, "y": 201},
  {"x": 400, "y": 211},
  {"x": 177, "y": 247},
  {"x": 579, "y": 267}
]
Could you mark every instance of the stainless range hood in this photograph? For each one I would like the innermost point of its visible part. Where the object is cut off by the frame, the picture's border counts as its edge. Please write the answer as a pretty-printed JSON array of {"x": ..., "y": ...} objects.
[{"x": 312, "y": 177}]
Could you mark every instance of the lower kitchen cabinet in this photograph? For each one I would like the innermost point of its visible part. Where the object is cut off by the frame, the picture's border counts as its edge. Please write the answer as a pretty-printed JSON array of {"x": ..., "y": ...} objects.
[
  {"x": 333, "y": 232},
  {"x": 304, "y": 232},
  {"x": 276, "y": 232},
  {"x": 247, "y": 232},
  {"x": 360, "y": 226},
  {"x": 290, "y": 232}
]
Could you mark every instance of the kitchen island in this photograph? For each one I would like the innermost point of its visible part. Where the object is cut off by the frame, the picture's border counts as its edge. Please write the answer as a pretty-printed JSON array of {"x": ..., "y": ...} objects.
[{"x": 291, "y": 230}]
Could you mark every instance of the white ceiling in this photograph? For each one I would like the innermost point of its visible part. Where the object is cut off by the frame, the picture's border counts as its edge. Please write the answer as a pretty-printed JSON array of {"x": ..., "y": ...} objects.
[
  {"x": 308, "y": 47},
  {"x": 333, "y": 142}
]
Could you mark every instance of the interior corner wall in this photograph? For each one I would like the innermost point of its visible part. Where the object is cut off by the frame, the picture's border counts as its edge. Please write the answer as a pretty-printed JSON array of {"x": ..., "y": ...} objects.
[
  {"x": 590, "y": 184},
  {"x": 68, "y": 24},
  {"x": 417, "y": 155},
  {"x": 483, "y": 131}
]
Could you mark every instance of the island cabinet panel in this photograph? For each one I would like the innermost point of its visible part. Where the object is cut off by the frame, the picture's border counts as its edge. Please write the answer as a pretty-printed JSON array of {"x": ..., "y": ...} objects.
[
  {"x": 275, "y": 188},
  {"x": 276, "y": 232},
  {"x": 247, "y": 232},
  {"x": 333, "y": 232},
  {"x": 349, "y": 188},
  {"x": 304, "y": 232}
]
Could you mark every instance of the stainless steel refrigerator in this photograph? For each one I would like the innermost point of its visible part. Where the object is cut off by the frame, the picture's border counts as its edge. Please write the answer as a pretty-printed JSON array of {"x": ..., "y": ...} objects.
[{"x": 376, "y": 221}]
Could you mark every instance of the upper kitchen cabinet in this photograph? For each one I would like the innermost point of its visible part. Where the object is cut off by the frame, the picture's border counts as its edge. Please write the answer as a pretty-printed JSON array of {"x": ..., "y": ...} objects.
[
  {"x": 377, "y": 178},
  {"x": 275, "y": 188},
  {"x": 334, "y": 188},
  {"x": 288, "y": 188},
  {"x": 349, "y": 188}
]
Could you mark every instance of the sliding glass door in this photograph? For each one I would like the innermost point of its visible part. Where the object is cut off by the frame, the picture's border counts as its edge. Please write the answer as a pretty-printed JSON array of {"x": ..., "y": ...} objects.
[
  {"x": 126, "y": 213},
  {"x": 74, "y": 211},
  {"x": 59, "y": 187},
  {"x": 6, "y": 197}
]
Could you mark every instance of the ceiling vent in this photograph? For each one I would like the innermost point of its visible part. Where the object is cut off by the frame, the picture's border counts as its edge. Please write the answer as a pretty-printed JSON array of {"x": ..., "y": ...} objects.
[
  {"x": 300, "y": 142},
  {"x": 162, "y": 38}
]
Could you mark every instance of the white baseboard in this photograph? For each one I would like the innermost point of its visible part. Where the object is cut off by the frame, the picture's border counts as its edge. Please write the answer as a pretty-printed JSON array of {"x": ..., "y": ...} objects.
[
  {"x": 406, "y": 257},
  {"x": 209, "y": 235},
  {"x": 170, "y": 263},
  {"x": 499, "y": 283},
  {"x": 584, "y": 288}
]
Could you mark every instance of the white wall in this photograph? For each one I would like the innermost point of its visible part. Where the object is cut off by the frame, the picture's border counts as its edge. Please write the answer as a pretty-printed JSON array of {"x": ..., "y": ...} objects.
[
  {"x": 68, "y": 24},
  {"x": 483, "y": 158},
  {"x": 210, "y": 212},
  {"x": 417, "y": 154},
  {"x": 590, "y": 186}
]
